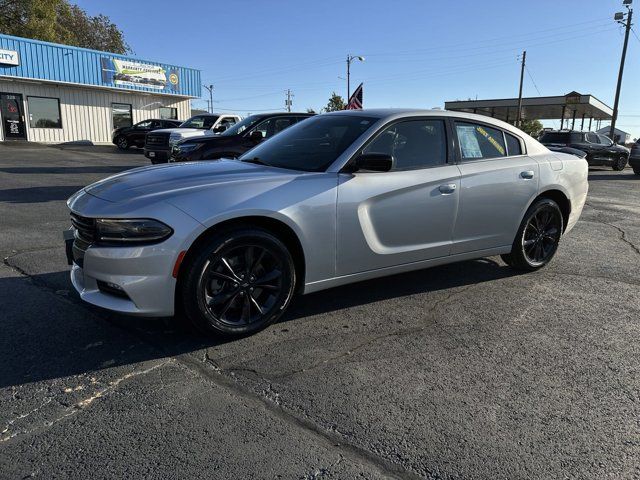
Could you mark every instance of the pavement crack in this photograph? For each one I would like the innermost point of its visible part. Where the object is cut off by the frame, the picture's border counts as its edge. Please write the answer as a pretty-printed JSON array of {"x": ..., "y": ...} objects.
[
  {"x": 77, "y": 407},
  {"x": 623, "y": 237}
]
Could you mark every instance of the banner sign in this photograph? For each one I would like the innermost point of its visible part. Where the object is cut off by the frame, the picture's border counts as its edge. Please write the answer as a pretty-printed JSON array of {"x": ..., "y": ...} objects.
[
  {"x": 9, "y": 57},
  {"x": 128, "y": 73}
]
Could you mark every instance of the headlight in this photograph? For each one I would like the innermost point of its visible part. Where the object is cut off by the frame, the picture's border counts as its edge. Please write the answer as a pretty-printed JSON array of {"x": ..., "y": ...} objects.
[
  {"x": 188, "y": 147},
  {"x": 174, "y": 138},
  {"x": 131, "y": 230}
]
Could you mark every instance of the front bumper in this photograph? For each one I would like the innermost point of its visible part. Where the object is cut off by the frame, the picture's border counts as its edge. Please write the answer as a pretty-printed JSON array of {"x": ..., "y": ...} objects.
[
  {"x": 157, "y": 155},
  {"x": 144, "y": 275}
]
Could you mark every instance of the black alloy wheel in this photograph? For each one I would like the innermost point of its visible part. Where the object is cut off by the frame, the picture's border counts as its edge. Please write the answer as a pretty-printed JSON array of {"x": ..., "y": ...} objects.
[
  {"x": 620, "y": 163},
  {"x": 122, "y": 142},
  {"x": 538, "y": 237},
  {"x": 240, "y": 284}
]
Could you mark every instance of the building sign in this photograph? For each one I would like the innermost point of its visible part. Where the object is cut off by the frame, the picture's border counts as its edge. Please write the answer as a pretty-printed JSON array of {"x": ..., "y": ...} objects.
[
  {"x": 128, "y": 73},
  {"x": 9, "y": 57}
]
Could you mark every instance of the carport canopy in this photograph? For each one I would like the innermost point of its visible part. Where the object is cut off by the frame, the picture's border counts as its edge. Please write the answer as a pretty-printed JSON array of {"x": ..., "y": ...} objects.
[{"x": 566, "y": 107}]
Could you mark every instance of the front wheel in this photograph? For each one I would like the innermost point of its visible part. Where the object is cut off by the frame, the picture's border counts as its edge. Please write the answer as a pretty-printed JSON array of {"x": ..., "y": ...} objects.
[
  {"x": 240, "y": 282},
  {"x": 636, "y": 169},
  {"x": 122, "y": 143},
  {"x": 620, "y": 164},
  {"x": 538, "y": 237}
]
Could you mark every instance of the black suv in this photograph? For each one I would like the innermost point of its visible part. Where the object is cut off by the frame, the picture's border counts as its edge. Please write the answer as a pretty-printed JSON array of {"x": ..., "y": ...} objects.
[
  {"x": 600, "y": 150},
  {"x": 236, "y": 140},
  {"x": 125, "y": 137},
  {"x": 634, "y": 159}
]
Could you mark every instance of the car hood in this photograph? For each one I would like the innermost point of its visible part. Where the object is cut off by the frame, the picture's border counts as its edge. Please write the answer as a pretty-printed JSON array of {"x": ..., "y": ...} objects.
[{"x": 163, "y": 181}]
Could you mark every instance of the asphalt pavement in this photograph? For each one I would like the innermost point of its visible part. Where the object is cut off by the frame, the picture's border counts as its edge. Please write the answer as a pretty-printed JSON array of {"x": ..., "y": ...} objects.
[{"x": 462, "y": 371}]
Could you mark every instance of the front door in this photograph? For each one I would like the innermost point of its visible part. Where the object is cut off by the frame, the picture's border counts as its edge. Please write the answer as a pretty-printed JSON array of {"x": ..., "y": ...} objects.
[
  {"x": 405, "y": 215},
  {"x": 12, "y": 114}
]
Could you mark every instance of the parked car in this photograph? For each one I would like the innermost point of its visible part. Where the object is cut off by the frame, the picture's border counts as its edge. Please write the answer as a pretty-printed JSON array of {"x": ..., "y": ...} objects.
[
  {"x": 158, "y": 144},
  {"x": 599, "y": 150},
  {"x": 634, "y": 158},
  {"x": 335, "y": 199},
  {"x": 125, "y": 137},
  {"x": 236, "y": 140}
]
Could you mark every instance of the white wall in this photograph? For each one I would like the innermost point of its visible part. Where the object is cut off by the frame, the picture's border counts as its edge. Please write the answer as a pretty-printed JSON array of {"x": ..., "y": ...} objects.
[{"x": 86, "y": 112}]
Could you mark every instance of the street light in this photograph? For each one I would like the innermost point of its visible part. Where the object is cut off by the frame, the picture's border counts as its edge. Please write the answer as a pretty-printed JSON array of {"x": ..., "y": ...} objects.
[
  {"x": 351, "y": 58},
  {"x": 210, "y": 89}
]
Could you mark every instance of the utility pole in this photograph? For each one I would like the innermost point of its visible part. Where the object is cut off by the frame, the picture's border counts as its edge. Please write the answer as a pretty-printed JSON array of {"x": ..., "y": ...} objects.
[
  {"x": 288, "y": 102},
  {"x": 210, "y": 89},
  {"x": 519, "y": 117},
  {"x": 619, "y": 18}
]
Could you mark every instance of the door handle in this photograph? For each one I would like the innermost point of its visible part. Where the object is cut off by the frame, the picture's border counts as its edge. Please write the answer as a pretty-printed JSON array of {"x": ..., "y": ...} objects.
[
  {"x": 447, "y": 188},
  {"x": 527, "y": 175}
]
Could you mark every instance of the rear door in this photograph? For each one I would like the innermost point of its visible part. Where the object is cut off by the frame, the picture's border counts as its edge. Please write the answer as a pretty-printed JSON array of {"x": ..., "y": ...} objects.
[
  {"x": 404, "y": 215},
  {"x": 498, "y": 181}
]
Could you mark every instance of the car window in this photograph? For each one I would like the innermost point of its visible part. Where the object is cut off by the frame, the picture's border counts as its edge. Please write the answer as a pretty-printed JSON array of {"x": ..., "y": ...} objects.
[
  {"x": 265, "y": 128},
  {"x": 412, "y": 144},
  {"x": 605, "y": 140},
  {"x": 513, "y": 145},
  {"x": 592, "y": 138},
  {"x": 144, "y": 124},
  {"x": 156, "y": 124},
  {"x": 228, "y": 122},
  {"x": 282, "y": 123},
  {"x": 479, "y": 141},
  {"x": 200, "y": 122}
]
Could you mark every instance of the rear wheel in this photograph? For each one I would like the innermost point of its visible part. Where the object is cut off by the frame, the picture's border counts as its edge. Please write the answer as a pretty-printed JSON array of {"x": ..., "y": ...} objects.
[
  {"x": 122, "y": 143},
  {"x": 620, "y": 163},
  {"x": 538, "y": 237},
  {"x": 238, "y": 283},
  {"x": 636, "y": 169}
]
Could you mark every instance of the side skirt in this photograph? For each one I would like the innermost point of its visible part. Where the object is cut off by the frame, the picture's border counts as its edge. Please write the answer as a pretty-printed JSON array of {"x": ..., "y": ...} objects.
[{"x": 407, "y": 267}]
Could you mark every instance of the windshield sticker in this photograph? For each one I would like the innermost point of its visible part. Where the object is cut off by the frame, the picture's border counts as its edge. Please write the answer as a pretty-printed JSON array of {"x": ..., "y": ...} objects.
[{"x": 468, "y": 142}]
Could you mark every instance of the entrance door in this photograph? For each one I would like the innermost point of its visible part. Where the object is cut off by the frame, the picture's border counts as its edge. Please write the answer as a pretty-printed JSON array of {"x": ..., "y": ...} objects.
[{"x": 12, "y": 115}]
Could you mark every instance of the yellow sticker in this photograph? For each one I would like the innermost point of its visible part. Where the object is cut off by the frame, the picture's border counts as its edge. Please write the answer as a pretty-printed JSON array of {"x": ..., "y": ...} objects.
[{"x": 492, "y": 140}]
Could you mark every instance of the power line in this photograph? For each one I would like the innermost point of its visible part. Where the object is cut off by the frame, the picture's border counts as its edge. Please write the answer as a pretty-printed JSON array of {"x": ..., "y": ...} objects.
[{"x": 532, "y": 80}]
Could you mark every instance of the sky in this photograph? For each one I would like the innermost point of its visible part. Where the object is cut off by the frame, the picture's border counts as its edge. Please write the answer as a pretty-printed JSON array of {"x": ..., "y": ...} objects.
[{"x": 418, "y": 53}]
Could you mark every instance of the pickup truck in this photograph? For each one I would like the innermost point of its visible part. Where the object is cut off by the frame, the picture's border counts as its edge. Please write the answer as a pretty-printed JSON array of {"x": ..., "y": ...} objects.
[{"x": 158, "y": 144}]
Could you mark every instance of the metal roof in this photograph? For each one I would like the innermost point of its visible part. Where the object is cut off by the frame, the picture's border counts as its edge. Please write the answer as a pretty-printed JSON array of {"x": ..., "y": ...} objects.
[
  {"x": 541, "y": 108},
  {"x": 52, "y": 62}
]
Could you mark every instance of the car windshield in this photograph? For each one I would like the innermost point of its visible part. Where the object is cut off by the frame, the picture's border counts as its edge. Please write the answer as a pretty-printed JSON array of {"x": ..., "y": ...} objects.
[
  {"x": 243, "y": 125},
  {"x": 200, "y": 122},
  {"x": 311, "y": 145}
]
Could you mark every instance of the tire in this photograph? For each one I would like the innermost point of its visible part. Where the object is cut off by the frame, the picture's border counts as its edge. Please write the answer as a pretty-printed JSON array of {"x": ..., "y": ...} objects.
[
  {"x": 636, "y": 169},
  {"x": 122, "y": 143},
  {"x": 620, "y": 163},
  {"x": 237, "y": 283},
  {"x": 538, "y": 237}
]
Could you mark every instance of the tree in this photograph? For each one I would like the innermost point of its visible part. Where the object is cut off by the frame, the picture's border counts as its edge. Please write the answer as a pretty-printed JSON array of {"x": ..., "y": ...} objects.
[
  {"x": 531, "y": 127},
  {"x": 59, "y": 21},
  {"x": 311, "y": 110},
  {"x": 336, "y": 102}
]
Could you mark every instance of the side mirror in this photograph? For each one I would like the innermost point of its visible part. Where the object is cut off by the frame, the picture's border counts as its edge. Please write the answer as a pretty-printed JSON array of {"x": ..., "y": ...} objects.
[
  {"x": 219, "y": 129},
  {"x": 374, "y": 162},
  {"x": 256, "y": 136}
]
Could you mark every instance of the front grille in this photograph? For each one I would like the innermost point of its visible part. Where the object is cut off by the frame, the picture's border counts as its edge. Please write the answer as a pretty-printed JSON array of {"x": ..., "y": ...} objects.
[
  {"x": 156, "y": 139},
  {"x": 85, "y": 235},
  {"x": 85, "y": 229}
]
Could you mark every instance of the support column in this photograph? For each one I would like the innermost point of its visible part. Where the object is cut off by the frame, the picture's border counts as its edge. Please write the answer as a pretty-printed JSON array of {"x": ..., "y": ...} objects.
[
  {"x": 590, "y": 118},
  {"x": 573, "y": 123},
  {"x": 564, "y": 109},
  {"x": 582, "y": 124}
]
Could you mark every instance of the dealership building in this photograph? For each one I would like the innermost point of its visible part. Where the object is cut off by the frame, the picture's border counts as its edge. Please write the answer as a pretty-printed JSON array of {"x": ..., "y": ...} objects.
[{"x": 54, "y": 93}]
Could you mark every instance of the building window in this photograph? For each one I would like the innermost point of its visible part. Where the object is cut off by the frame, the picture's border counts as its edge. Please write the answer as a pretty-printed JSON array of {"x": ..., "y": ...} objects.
[
  {"x": 121, "y": 113},
  {"x": 168, "y": 113},
  {"x": 44, "y": 112}
]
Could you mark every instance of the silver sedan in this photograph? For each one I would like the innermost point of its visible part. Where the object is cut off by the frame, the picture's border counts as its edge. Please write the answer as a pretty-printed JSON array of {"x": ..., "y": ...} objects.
[{"x": 335, "y": 199}]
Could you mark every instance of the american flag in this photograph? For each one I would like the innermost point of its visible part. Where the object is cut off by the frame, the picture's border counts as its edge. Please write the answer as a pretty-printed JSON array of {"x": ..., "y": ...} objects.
[{"x": 355, "y": 102}]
